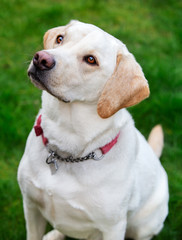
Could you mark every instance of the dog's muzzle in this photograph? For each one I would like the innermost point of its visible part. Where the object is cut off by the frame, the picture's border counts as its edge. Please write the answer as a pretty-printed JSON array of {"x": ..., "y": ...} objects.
[{"x": 39, "y": 72}]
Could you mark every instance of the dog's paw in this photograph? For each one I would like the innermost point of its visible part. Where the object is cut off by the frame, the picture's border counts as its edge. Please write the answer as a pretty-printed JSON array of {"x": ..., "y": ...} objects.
[{"x": 53, "y": 235}]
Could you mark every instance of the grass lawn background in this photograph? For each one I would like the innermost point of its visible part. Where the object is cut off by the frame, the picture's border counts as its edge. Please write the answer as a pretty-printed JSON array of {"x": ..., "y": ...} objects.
[{"x": 152, "y": 30}]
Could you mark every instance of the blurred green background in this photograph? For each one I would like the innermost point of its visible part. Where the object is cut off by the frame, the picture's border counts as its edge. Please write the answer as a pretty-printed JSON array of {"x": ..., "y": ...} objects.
[{"x": 152, "y": 30}]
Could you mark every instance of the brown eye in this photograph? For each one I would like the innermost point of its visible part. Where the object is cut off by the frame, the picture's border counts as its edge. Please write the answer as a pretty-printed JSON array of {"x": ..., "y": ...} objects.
[
  {"x": 90, "y": 59},
  {"x": 59, "y": 39}
]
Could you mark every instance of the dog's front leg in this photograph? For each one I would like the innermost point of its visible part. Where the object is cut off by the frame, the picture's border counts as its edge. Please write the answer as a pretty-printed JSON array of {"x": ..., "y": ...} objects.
[
  {"x": 116, "y": 232},
  {"x": 35, "y": 223}
]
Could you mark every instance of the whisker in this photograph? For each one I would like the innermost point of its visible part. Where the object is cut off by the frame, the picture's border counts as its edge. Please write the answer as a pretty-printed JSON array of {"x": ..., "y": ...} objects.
[{"x": 27, "y": 62}]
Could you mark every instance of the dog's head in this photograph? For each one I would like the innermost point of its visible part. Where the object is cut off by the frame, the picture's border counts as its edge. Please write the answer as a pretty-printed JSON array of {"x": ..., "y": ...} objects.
[{"x": 81, "y": 62}]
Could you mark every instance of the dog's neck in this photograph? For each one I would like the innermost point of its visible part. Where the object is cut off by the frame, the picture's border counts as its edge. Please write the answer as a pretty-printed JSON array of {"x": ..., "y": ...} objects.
[{"x": 74, "y": 127}]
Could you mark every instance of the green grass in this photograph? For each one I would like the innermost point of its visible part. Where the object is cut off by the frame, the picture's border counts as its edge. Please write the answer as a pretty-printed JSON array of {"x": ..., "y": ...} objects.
[{"x": 152, "y": 30}]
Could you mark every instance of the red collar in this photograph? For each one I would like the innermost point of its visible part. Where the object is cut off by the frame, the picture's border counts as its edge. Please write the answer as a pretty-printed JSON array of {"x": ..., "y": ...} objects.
[{"x": 39, "y": 132}]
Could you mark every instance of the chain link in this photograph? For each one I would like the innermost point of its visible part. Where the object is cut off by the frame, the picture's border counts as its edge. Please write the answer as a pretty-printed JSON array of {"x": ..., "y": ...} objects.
[{"x": 53, "y": 157}]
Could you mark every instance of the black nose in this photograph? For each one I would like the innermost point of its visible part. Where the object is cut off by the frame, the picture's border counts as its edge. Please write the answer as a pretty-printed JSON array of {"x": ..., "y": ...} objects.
[{"x": 43, "y": 61}]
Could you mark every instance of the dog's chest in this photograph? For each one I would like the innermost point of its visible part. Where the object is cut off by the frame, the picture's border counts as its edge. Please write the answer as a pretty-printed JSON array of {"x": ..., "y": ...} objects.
[
  {"x": 66, "y": 207},
  {"x": 74, "y": 206}
]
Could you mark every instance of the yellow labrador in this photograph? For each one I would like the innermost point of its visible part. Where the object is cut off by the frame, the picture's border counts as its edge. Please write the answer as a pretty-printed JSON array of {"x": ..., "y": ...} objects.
[{"x": 86, "y": 169}]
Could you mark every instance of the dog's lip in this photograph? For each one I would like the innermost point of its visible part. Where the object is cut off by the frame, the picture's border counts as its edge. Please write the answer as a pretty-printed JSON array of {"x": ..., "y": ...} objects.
[
  {"x": 34, "y": 77},
  {"x": 64, "y": 100}
]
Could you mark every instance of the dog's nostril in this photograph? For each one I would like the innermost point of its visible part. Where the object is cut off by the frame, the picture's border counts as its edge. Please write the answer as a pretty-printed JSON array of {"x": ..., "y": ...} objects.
[
  {"x": 36, "y": 57},
  {"x": 43, "y": 62},
  {"x": 35, "y": 60}
]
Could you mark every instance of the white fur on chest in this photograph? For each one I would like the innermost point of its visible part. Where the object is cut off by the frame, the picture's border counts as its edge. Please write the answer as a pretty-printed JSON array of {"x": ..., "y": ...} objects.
[{"x": 77, "y": 199}]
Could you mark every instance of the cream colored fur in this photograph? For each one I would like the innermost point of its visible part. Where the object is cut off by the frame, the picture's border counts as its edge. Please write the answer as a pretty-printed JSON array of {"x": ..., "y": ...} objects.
[{"x": 125, "y": 194}]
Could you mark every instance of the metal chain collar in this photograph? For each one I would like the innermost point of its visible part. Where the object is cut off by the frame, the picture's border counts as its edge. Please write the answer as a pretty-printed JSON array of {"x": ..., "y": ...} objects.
[{"x": 53, "y": 157}]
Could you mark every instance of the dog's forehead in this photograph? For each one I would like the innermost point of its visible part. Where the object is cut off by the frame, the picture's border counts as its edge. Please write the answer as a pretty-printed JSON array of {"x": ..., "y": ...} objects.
[
  {"x": 80, "y": 34},
  {"x": 76, "y": 31},
  {"x": 83, "y": 28}
]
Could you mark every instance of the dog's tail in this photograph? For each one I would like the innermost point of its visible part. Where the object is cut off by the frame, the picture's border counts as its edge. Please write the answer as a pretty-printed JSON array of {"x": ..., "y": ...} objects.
[{"x": 156, "y": 140}]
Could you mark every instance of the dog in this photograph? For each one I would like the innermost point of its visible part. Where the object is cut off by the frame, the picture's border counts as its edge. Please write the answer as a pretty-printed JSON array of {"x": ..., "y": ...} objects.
[{"x": 86, "y": 169}]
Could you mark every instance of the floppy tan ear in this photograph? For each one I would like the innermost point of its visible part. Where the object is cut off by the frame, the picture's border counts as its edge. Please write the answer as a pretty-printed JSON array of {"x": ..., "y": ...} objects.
[
  {"x": 47, "y": 40},
  {"x": 50, "y": 36},
  {"x": 126, "y": 87}
]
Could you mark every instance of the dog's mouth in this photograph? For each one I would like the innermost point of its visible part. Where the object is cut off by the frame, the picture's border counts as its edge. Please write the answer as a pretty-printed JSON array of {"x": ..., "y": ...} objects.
[{"x": 36, "y": 79}]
